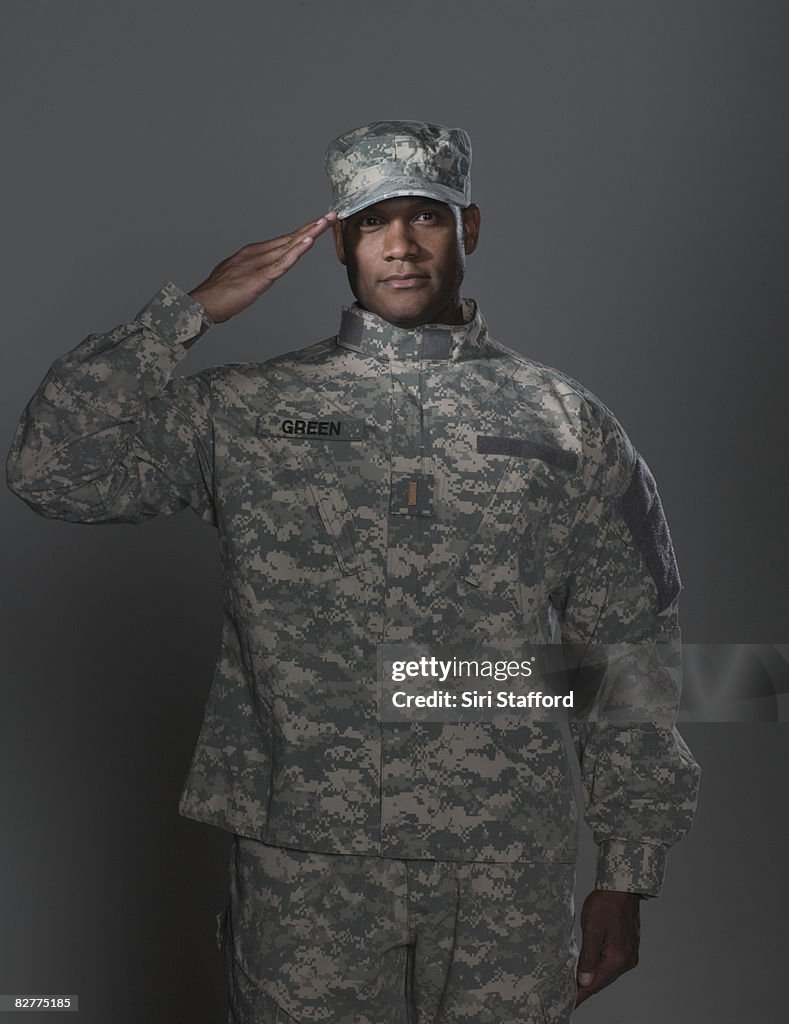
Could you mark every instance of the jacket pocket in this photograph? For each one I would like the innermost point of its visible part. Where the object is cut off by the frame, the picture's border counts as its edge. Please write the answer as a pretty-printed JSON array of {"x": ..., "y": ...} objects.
[
  {"x": 335, "y": 512},
  {"x": 521, "y": 511},
  {"x": 497, "y": 525},
  {"x": 287, "y": 523}
]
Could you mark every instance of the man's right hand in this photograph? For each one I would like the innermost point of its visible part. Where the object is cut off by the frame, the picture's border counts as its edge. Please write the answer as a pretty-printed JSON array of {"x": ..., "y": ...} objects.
[{"x": 236, "y": 282}]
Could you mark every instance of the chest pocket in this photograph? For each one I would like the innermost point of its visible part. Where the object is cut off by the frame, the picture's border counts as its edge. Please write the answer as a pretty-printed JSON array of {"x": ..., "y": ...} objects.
[
  {"x": 335, "y": 512},
  {"x": 520, "y": 509},
  {"x": 498, "y": 526},
  {"x": 301, "y": 525}
]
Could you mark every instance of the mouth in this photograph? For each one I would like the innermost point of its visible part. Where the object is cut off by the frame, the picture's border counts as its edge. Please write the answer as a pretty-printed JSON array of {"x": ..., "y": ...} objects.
[{"x": 405, "y": 280}]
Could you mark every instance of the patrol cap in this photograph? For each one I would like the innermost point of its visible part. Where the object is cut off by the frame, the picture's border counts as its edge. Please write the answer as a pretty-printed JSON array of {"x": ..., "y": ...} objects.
[{"x": 398, "y": 158}]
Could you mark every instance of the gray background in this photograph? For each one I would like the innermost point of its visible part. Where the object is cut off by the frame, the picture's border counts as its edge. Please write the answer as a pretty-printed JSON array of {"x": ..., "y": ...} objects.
[{"x": 631, "y": 166}]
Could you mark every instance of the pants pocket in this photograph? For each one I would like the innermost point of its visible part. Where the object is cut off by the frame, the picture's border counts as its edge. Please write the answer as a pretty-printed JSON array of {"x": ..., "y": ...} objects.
[
  {"x": 557, "y": 994},
  {"x": 221, "y": 925}
]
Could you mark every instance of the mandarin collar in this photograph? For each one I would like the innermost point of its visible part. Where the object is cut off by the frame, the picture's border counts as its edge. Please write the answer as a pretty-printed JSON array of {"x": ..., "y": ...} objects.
[{"x": 373, "y": 336}]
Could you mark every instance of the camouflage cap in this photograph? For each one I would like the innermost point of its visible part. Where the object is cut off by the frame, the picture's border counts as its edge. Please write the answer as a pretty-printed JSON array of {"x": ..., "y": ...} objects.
[{"x": 398, "y": 158}]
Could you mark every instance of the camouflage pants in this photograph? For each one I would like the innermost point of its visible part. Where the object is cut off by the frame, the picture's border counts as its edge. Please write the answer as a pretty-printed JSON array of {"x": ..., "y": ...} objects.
[{"x": 310, "y": 937}]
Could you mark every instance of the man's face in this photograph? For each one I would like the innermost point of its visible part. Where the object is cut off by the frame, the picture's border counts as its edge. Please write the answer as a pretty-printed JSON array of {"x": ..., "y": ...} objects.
[{"x": 405, "y": 258}]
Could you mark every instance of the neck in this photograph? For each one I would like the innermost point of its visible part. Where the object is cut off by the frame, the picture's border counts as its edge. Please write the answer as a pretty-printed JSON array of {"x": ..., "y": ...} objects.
[{"x": 451, "y": 314}]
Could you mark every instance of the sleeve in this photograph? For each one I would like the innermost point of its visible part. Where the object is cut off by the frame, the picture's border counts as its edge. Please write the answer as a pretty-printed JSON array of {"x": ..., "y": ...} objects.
[
  {"x": 108, "y": 437},
  {"x": 618, "y": 618}
]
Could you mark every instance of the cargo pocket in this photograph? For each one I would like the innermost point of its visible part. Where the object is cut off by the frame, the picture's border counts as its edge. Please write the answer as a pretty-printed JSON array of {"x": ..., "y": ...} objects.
[
  {"x": 557, "y": 994},
  {"x": 248, "y": 1003}
]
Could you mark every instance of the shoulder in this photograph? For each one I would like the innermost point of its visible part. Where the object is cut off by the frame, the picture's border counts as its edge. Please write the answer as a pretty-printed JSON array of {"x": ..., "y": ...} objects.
[
  {"x": 548, "y": 393},
  {"x": 289, "y": 368}
]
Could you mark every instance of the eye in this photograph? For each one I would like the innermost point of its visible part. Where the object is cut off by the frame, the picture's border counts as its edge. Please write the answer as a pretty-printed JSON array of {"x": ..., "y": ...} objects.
[
  {"x": 426, "y": 216},
  {"x": 369, "y": 221}
]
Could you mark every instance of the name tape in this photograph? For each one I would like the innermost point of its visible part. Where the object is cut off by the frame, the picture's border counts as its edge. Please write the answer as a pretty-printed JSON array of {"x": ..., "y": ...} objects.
[{"x": 341, "y": 429}]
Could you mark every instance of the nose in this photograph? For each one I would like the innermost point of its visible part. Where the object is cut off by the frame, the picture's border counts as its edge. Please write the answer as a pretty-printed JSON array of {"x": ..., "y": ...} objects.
[{"x": 399, "y": 241}]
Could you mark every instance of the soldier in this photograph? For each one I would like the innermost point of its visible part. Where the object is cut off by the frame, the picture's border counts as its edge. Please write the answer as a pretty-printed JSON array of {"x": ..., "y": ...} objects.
[{"x": 411, "y": 482}]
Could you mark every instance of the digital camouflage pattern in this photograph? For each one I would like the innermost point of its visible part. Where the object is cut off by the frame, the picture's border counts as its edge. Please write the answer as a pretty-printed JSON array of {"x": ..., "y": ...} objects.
[
  {"x": 398, "y": 158},
  {"x": 356, "y": 506},
  {"x": 312, "y": 937}
]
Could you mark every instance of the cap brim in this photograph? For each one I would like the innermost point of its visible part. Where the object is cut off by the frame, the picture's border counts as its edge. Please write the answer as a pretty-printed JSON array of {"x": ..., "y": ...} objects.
[{"x": 394, "y": 187}]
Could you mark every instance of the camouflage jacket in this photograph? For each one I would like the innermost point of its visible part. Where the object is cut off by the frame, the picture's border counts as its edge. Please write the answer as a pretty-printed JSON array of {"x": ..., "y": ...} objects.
[{"x": 424, "y": 486}]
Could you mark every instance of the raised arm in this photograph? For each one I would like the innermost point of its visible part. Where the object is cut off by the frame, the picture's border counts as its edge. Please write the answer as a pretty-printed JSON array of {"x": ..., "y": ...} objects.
[{"x": 109, "y": 436}]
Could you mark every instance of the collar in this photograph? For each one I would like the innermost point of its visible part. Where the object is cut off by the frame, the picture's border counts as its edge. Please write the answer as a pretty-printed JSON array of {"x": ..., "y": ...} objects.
[{"x": 373, "y": 336}]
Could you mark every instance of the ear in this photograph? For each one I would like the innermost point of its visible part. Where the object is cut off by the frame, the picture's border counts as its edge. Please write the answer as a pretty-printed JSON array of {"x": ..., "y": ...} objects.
[
  {"x": 339, "y": 241},
  {"x": 471, "y": 219}
]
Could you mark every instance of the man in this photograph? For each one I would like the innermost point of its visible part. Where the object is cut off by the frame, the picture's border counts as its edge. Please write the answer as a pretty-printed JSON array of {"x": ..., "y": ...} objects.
[{"x": 412, "y": 485}]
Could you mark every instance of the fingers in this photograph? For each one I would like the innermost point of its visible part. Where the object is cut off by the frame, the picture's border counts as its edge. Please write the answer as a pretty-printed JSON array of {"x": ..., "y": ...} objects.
[
  {"x": 589, "y": 962},
  {"x": 273, "y": 260},
  {"x": 243, "y": 277},
  {"x": 610, "y": 930},
  {"x": 320, "y": 225},
  {"x": 309, "y": 232},
  {"x": 611, "y": 965},
  {"x": 311, "y": 229},
  {"x": 277, "y": 262}
]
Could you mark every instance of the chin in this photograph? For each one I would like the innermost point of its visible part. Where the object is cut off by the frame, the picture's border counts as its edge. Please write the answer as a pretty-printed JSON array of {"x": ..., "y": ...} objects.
[{"x": 407, "y": 314}]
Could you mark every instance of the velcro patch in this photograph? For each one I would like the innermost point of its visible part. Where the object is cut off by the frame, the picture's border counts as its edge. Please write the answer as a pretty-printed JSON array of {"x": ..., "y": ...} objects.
[
  {"x": 436, "y": 343},
  {"x": 412, "y": 494},
  {"x": 642, "y": 510},
  {"x": 526, "y": 449}
]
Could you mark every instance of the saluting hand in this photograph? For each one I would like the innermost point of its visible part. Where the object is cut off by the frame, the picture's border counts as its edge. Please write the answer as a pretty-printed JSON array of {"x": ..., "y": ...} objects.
[{"x": 236, "y": 282}]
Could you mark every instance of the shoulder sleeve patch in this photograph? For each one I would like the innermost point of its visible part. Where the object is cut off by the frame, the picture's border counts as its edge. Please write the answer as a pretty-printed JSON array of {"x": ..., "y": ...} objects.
[{"x": 642, "y": 510}]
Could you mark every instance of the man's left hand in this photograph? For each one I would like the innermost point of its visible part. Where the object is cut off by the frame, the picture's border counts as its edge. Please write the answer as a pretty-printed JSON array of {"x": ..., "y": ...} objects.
[{"x": 611, "y": 929}]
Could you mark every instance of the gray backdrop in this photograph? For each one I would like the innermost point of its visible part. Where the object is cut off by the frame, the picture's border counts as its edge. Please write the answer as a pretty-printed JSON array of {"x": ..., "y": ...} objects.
[{"x": 631, "y": 166}]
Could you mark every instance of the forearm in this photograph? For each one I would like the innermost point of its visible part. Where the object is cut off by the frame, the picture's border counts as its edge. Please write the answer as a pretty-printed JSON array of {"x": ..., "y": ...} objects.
[
  {"x": 639, "y": 780},
  {"x": 75, "y": 453}
]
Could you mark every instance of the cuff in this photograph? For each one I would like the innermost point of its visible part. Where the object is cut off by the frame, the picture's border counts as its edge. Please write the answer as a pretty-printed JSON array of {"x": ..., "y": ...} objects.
[
  {"x": 631, "y": 867},
  {"x": 174, "y": 316}
]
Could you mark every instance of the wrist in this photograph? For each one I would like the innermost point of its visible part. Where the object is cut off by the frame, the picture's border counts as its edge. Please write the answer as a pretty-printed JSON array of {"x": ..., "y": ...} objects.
[{"x": 209, "y": 311}]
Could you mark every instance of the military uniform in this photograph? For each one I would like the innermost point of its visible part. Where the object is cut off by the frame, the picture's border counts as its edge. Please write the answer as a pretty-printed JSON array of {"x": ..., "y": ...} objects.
[{"x": 425, "y": 487}]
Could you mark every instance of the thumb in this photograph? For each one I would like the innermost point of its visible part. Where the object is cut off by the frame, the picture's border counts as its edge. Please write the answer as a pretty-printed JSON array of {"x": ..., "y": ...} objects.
[{"x": 589, "y": 958}]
